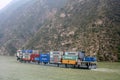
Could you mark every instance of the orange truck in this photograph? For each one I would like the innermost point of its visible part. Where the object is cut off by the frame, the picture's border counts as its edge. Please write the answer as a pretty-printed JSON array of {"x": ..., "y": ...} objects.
[{"x": 70, "y": 58}]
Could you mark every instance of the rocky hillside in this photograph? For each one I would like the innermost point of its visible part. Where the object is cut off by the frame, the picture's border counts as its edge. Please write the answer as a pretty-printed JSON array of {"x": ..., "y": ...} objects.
[
  {"x": 89, "y": 25},
  {"x": 21, "y": 20}
]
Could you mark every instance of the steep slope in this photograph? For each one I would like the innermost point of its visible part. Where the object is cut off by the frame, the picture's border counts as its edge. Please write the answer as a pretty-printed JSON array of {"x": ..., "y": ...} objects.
[
  {"x": 20, "y": 20},
  {"x": 89, "y": 25}
]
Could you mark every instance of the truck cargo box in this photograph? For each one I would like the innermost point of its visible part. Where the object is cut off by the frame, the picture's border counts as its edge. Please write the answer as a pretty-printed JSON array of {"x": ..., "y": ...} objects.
[{"x": 45, "y": 58}]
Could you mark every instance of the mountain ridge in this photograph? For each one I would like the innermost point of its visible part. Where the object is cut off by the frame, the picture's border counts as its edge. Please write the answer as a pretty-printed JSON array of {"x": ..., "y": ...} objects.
[{"x": 92, "y": 26}]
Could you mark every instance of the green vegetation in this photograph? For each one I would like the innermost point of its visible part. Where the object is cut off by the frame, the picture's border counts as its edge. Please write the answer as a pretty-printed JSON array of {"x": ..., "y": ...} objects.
[{"x": 13, "y": 70}]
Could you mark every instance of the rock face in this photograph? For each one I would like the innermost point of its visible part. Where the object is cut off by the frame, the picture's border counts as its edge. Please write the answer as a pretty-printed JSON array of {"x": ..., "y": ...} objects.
[{"x": 89, "y": 25}]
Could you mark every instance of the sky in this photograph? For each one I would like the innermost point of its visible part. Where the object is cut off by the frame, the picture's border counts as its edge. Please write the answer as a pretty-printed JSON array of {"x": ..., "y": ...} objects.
[{"x": 3, "y": 3}]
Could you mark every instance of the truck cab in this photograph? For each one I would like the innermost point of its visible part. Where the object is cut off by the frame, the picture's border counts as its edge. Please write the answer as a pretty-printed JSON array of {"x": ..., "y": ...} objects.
[
  {"x": 70, "y": 58},
  {"x": 55, "y": 57}
]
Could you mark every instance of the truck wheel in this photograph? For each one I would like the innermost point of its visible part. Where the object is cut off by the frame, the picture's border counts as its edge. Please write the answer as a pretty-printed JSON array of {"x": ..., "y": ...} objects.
[
  {"x": 45, "y": 63},
  {"x": 57, "y": 65},
  {"x": 66, "y": 66},
  {"x": 94, "y": 66},
  {"x": 74, "y": 66},
  {"x": 78, "y": 66},
  {"x": 38, "y": 62},
  {"x": 88, "y": 65}
]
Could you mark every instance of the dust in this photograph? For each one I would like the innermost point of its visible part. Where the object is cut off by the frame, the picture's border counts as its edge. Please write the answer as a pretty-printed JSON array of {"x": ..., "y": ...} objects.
[{"x": 104, "y": 70}]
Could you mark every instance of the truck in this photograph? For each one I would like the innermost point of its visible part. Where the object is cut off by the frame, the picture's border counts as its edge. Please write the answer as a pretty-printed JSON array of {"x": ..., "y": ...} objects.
[
  {"x": 70, "y": 58},
  {"x": 55, "y": 57}
]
